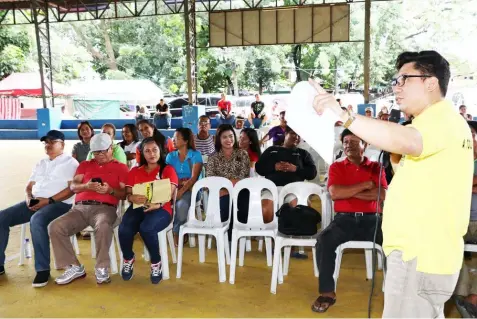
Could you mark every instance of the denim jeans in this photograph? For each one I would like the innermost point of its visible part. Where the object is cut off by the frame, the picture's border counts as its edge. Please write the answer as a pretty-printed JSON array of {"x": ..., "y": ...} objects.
[
  {"x": 148, "y": 225},
  {"x": 20, "y": 214},
  {"x": 221, "y": 120},
  {"x": 257, "y": 122},
  {"x": 182, "y": 211},
  {"x": 163, "y": 121}
]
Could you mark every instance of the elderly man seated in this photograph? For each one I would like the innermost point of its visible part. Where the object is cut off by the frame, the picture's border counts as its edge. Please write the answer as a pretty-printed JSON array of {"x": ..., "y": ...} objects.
[
  {"x": 353, "y": 186},
  {"x": 48, "y": 196},
  {"x": 99, "y": 184}
]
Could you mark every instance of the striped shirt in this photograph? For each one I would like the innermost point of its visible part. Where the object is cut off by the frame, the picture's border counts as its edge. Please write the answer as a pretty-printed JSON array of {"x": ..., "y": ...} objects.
[{"x": 205, "y": 146}]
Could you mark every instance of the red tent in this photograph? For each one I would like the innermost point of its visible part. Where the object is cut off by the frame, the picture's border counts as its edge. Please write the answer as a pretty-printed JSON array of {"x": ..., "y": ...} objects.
[{"x": 27, "y": 84}]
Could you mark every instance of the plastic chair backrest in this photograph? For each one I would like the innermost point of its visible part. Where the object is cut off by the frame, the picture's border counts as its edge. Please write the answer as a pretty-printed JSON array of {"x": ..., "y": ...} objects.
[
  {"x": 255, "y": 185},
  {"x": 302, "y": 191},
  {"x": 212, "y": 212}
]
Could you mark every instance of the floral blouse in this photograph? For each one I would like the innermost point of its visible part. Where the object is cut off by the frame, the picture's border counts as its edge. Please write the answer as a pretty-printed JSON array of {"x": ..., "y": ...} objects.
[{"x": 238, "y": 167}]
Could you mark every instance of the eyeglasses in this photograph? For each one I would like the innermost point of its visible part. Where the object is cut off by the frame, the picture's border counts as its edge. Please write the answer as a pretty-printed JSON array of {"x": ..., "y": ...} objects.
[
  {"x": 203, "y": 123},
  {"x": 101, "y": 152},
  {"x": 51, "y": 142},
  {"x": 401, "y": 80}
]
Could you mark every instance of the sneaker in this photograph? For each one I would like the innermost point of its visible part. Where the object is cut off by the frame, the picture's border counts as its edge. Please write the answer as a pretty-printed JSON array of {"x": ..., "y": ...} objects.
[
  {"x": 128, "y": 269},
  {"x": 41, "y": 279},
  {"x": 2, "y": 270},
  {"x": 102, "y": 276},
  {"x": 71, "y": 273},
  {"x": 156, "y": 273}
]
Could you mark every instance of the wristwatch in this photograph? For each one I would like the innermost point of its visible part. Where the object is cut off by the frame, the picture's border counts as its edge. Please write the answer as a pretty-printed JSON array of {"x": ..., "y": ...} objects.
[
  {"x": 350, "y": 120},
  {"x": 51, "y": 200}
]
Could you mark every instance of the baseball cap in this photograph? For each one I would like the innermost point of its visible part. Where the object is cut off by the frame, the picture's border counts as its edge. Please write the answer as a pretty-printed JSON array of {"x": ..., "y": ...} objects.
[
  {"x": 100, "y": 142},
  {"x": 53, "y": 135}
]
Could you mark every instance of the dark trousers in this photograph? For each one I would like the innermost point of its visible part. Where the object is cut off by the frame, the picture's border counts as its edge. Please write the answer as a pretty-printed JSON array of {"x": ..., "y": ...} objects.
[
  {"x": 39, "y": 221},
  {"x": 242, "y": 213},
  {"x": 345, "y": 227},
  {"x": 148, "y": 225}
]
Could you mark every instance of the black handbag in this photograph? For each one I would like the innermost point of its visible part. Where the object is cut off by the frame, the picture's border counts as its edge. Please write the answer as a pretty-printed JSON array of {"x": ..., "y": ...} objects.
[{"x": 300, "y": 220}]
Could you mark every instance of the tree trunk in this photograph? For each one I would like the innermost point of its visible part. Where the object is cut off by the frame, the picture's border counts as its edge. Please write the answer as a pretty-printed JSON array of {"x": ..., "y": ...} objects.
[
  {"x": 235, "y": 83},
  {"x": 260, "y": 86},
  {"x": 94, "y": 52},
  {"x": 297, "y": 61},
  {"x": 109, "y": 47},
  {"x": 230, "y": 85}
]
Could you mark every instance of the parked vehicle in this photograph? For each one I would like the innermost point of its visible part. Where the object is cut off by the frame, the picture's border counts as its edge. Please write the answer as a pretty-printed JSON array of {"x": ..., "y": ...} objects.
[{"x": 208, "y": 100}]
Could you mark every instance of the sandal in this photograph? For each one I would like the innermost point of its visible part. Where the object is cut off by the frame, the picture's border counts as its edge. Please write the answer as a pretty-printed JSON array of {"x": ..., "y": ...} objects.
[{"x": 319, "y": 304}]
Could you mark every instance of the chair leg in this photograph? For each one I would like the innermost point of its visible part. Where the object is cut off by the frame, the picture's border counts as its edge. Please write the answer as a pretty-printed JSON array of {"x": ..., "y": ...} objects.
[
  {"x": 249, "y": 244},
  {"x": 180, "y": 251},
  {"x": 191, "y": 240},
  {"x": 242, "y": 250},
  {"x": 201, "y": 248},
  {"x": 268, "y": 247},
  {"x": 221, "y": 256},
  {"x": 368, "y": 258},
  {"x": 380, "y": 260},
  {"x": 260, "y": 244},
  {"x": 74, "y": 241},
  {"x": 170, "y": 239},
  {"x": 227, "y": 248},
  {"x": 336, "y": 274},
  {"x": 315, "y": 266},
  {"x": 209, "y": 242},
  {"x": 93, "y": 246},
  {"x": 118, "y": 245},
  {"x": 113, "y": 258},
  {"x": 233, "y": 257},
  {"x": 286, "y": 259},
  {"x": 164, "y": 256},
  {"x": 276, "y": 265},
  {"x": 22, "y": 244},
  {"x": 302, "y": 250},
  {"x": 146, "y": 255}
]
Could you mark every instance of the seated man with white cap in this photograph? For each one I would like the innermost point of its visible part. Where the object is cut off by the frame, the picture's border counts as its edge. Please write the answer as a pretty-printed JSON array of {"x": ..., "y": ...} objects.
[
  {"x": 47, "y": 196},
  {"x": 99, "y": 184}
]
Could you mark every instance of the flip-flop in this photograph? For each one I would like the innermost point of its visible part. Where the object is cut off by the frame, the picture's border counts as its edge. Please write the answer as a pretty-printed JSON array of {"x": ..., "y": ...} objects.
[{"x": 318, "y": 304}]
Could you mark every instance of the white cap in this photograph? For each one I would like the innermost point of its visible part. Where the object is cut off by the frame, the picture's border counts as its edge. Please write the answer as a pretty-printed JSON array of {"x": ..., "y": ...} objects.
[{"x": 100, "y": 142}]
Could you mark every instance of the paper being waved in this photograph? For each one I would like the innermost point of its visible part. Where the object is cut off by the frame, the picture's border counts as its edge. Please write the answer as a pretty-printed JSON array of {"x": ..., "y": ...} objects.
[
  {"x": 317, "y": 130},
  {"x": 156, "y": 192}
]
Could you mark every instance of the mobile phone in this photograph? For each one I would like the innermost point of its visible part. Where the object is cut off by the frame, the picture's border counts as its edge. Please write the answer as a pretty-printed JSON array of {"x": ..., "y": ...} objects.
[
  {"x": 97, "y": 180},
  {"x": 33, "y": 202}
]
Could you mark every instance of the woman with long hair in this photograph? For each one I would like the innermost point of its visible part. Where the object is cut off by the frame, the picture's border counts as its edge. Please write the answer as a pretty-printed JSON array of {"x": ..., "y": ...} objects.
[
  {"x": 81, "y": 149},
  {"x": 232, "y": 163},
  {"x": 248, "y": 141},
  {"x": 150, "y": 219},
  {"x": 187, "y": 162},
  {"x": 148, "y": 129},
  {"x": 130, "y": 141}
]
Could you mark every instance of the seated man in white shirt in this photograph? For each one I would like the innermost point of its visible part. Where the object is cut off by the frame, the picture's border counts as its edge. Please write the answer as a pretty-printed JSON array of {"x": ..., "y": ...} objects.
[{"x": 48, "y": 196}]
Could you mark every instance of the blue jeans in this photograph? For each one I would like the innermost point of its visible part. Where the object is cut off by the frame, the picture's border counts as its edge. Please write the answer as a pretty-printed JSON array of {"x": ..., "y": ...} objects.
[
  {"x": 182, "y": 211},
  {"x": 257, "y": 122},
  {"x": 163, "y": 121},
  {"x": 221, "y": 120},
  {"x": 20, "y": 214},
  {"x": 148, "y": 225}
]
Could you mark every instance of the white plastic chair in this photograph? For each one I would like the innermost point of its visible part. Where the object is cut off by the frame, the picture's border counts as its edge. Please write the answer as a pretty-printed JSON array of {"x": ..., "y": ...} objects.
[
  {"x": 164, "y": 236},
  {"x": 302, "y": 191},
  {"x": 368, "y": 251},
  {"x": 212, "y": 225},
  {"x": 255, "y": 225},
  {"x": 73, "y": 239},
  {"x": 470, "y": 248}
]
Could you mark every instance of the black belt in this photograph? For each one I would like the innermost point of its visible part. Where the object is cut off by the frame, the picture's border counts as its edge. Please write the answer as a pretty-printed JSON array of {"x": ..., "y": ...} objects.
[
  {"x": 358, "y": 214},
  {"x": 94, "y": 202}
]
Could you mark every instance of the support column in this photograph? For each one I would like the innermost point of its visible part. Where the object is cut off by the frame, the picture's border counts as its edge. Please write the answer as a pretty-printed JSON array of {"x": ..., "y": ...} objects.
[
  {"x": 42, "y": 33},
  {"x": 190, "y": 40},
  {"x": 367, "y": 48}
]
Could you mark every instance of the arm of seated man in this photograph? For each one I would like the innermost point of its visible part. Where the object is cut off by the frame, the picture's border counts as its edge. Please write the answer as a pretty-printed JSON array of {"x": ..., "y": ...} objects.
[
  {"x": 371, "y": 194},
  {"x": 348, "y": 191}
]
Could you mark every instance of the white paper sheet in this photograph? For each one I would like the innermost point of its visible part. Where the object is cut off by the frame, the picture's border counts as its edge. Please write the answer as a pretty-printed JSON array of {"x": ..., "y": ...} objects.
[{"x": 317, "y": 130}]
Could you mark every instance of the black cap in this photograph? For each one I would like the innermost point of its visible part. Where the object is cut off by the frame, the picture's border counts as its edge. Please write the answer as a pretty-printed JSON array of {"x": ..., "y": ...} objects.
[{"x": 53, "y": 135}]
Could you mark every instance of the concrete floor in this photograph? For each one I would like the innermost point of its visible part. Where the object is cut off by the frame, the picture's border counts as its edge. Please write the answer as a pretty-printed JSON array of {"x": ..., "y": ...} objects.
[{"x": 197, "y": 294}]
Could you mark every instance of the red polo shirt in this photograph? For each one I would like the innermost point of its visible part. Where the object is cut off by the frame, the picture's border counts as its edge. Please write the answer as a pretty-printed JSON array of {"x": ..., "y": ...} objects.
[
  {"x": 224, "y": 105},
  {"x": 112, "y": 173},
  {"x": 346, "y": 173},
  {"x": 138, "y": 175}
]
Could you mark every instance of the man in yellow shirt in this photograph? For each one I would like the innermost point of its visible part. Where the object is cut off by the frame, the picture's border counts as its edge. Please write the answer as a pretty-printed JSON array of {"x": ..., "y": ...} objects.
[{"x": 427, "y": 206}]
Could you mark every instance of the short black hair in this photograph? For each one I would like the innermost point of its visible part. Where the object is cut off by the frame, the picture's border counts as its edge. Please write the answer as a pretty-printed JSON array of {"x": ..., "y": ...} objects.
[
  {"x": 460, "y": 107},
  {"x": 430, "y": 63},
  {"x": 282, "y": 112},
  {"x": 81, "y": 125}
]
